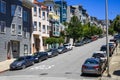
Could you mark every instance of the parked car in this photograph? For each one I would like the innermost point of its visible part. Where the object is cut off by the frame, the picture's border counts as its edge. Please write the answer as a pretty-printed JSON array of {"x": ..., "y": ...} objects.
[
  {"x": 62, "y": 49},
  {"x": 104, "y": 48},
  {"x": 22, "y": 62},
  {"x": 80, "y": 43},
  {"x": 102, "y": 55},
  {"x": 113, "y": 45},
  {"x": 52, "y": 52},
  {"x": 115, "y": 41},
  {"x": 93, "y": 66},
  {"x": 68, "y": 46},
  {"x": 40, "y": 56}
]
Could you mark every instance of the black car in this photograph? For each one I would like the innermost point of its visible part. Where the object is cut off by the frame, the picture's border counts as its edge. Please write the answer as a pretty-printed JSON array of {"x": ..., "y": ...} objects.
[
  {"x": 40, "y": 56},
  {"x": 52, "y": 52},
  {"x": 62, "y": 49},
  {"x": 80, "y": 43},
  {"x": 22, "y": 62},
  {"x": 104, "y": 48}
]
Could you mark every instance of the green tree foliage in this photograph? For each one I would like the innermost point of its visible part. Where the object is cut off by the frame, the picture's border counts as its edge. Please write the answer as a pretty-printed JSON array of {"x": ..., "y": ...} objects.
[
  {"x": 74, "y": 29},
  {"x": 52, "y": 40},
  {"x": 116, "y": 24}
]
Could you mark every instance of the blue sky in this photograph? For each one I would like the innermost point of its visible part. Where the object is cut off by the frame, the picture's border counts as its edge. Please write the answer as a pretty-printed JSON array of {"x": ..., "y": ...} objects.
[{"x": 96, "y": 8}]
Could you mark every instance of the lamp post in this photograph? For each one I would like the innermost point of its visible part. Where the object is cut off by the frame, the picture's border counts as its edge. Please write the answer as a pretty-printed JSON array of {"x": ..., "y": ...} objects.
[{"x": 106, "y": 16}]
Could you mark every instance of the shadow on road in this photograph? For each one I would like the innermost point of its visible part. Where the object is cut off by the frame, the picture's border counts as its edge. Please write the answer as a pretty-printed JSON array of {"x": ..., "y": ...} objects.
[
  {"x": 117, "y": 73},
  {"x": 89, "y": 75}
]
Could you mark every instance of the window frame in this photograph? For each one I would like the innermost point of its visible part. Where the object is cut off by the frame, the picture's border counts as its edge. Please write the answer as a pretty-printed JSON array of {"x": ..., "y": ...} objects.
[
  {"x": 4, "y": 31},
  {"x": 35, "y": 27},
  {"x": 20, "y": 30},
  {"x": 25, "y": 49},
  {"x": 12, "y": 29},
  {"x": 20, "y": 12}
]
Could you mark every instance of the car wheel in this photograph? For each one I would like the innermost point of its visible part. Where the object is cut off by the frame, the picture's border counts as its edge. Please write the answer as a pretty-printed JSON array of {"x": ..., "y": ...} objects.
[
  {"x": 33, "y": 63},
  {"x": 39, "y": 60},
  {"x": 23, "y": 67}
]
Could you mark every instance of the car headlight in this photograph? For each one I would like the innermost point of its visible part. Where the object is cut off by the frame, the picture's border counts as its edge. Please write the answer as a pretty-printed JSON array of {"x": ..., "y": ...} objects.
[
  {"x": 19, "y": 64},
  {"x": 36, "y": 58},
  {"x": 49, "y": 53}
]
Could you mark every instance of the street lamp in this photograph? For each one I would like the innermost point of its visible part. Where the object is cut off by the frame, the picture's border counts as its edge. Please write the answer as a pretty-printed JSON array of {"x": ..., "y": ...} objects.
[{"x": 106, "y": 16}]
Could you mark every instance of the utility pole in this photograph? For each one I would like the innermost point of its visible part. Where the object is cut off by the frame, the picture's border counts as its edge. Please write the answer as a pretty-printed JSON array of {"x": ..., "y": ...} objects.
[{"x": 108, "y": 58}]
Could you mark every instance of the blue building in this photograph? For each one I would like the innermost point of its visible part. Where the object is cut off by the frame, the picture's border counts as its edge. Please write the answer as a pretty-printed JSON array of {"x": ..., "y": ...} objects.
[
  {"x": 15, "y": 28},
  {"x": 63, "y": 10}
]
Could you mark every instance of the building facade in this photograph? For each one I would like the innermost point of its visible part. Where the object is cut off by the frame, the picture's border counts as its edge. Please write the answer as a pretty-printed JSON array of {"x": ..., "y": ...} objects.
[
  {"x": 54, "y": 17},
  {"x": 63, "y": 10},
  {"x": 15, "y": 28},
  {"x": 40, "y": 30}
]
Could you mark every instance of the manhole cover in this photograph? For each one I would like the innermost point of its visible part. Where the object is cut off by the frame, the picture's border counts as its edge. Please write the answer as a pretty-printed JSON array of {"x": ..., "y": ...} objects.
[
  {"x": 68, "y": 73},
  {"x": 44, "y": 74}
]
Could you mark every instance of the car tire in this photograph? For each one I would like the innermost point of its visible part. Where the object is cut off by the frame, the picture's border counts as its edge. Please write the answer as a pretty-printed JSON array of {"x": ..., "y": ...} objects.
[
  {"x": 39, "y": 60},
  {"x": 33, "y": 63},
  {"x": 23, "y": 66}
]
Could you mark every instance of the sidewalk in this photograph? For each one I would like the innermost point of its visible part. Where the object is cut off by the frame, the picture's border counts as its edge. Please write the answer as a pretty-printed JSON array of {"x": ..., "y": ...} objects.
[
  {"x": 4, "y": 65},
  {"x": 114, "y": 67}
]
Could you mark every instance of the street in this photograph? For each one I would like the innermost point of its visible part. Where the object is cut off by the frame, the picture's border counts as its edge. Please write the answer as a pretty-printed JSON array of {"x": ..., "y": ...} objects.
[{"x": 65, "y": 66}]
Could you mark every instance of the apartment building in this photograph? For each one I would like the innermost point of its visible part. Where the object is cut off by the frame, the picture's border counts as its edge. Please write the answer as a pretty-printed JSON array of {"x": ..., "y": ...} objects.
[
  {"x": 63, "y": 10},
  {"x": 40, "y": 30},
  {"x": 54, "y": 17},
  {"x": 15, "y": 28}
]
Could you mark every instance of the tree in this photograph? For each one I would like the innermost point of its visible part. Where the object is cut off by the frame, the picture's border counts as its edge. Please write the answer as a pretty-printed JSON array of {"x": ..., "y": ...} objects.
[
  {"x": 116, "y": 24},
  {"x": 74, "y": 29}
]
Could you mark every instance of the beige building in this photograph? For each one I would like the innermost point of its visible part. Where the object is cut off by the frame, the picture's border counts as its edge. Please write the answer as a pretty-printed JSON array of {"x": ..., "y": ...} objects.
[{"x": 40, "y": 30}]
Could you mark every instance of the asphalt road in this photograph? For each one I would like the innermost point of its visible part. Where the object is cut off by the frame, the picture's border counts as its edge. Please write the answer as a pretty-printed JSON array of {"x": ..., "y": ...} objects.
[{"x": 65, "y": 66}]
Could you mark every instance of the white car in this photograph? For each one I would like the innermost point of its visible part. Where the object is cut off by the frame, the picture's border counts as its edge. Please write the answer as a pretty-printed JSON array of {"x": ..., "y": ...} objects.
[
  {"x": 68, "y": 46},
  {"x": 100, "y": 54}
]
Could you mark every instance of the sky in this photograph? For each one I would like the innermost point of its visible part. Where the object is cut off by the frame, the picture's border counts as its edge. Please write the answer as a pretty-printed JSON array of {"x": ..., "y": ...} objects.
[{"x": 96, "y": 8}]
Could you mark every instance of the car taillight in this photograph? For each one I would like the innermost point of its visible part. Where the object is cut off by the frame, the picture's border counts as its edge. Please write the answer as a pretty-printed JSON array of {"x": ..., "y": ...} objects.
[
  {"x": 84, "y": 66},
  {"x": 96, "y": 67}
]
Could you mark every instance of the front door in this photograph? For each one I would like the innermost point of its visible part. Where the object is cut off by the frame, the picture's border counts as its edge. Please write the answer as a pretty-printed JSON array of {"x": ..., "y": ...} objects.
[{"x": 15, "y": 49}]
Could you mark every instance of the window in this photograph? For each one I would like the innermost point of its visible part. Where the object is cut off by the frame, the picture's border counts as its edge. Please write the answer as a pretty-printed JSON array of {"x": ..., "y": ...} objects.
[
  {"x": 25, "y": 32},
  {"x": 43, "y": 15},
  {"x": 13, "y": 29},
  {"x": 3, "y": 7},
  {"x": 19, "y": 11},
  {"x": 39, "y": 12},
  {"x": 35, "y": 11},
  {"x": 35, "y": 26},
  {"x": 13, "y": 8},
  {"x": 47, "y": 29},
  {"x": 39, "y": 26},
  {"x": 2, "y": 26},
  {"x": 50, "y": 8},
  {"x": 43, "y": 29},
  {"x": 25, "y": 16},
  {"x": 25, "y": 49},
  {"x": 19, "y": 30}
]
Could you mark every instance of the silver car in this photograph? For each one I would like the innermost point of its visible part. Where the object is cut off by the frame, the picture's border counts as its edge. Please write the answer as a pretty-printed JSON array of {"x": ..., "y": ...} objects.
[{"x": 92, "y": 66}]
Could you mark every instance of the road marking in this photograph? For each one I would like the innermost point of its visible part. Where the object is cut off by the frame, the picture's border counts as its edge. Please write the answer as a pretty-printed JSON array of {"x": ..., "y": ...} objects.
[{"x": 42, "y": 67}]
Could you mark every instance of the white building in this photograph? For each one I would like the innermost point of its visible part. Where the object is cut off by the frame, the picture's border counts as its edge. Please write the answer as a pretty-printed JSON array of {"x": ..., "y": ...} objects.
[{"x": 40, "y": 30}]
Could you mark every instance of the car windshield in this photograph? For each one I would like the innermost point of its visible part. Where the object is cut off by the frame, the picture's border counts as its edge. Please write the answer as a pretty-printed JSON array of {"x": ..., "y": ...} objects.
[
  {"x": 91, "y": 62},
  {"x": 20, "y": 59},
  {"x": 60, "y": 47},
  {"x": 98, "y": 55},
  {"x": 103, "y": 49}
]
